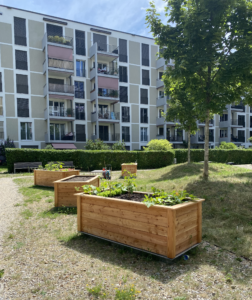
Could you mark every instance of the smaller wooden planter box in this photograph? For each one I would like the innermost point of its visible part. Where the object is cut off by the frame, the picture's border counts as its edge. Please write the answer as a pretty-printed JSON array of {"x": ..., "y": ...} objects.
[
  {"x": 65, "y": 192},
  {"x": 47, "y": 178},
  {"x": 132, "y": 168},
  {"x": 167, "y": 231}
]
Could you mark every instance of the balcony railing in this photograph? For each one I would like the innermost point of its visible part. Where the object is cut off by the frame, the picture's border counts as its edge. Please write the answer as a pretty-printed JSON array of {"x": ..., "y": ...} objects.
[
  {"x": 80, "y": 137},
  {"x": 125, "y": 118},
  {"x": 21, "y": 65},
  {"x": 108, "y": 48},
  {"x": 146, "y": 81},
  {"x": 110, "y": 71},
  {"x": 238, "y": 122},
  {"x": 79, "y": 94},
  {"x": 201, "y": 138},
  {"x": 161, "y": 101},
  {"x": 62, "y": 136},
  {"x": 61, "y": 112},
  {"x": 79, "y": 115},
  {"x": 144, "y": 119},
  {"x": 22, "y": 88},
  {"x": 239, "y": 106},
  {"x": 107, "y": 137},
  {"x": 108, "y": 93},
  {"x": 126, "y": 138},
  {"x": 238, "y": 139},
  {"x": 175, "y": 138},
  {"x": 144, "y": 100},
  {"x": 109, "y": 115},
  {"x": 144, "y": 138},
  {"x": 60, "y": 64},
  {"x": 61, "y": 40},
  {"x": 61, "y": 88}
]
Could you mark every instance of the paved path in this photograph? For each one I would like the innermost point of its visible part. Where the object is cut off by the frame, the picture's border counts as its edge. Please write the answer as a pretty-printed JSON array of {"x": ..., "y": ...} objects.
[{"x": 244, "y": 166}]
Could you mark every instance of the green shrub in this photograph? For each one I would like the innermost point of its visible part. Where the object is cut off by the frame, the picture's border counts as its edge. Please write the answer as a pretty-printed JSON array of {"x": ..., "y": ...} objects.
[
  {"x": 96, "y": 145},
  {"x": 158, "y": 145},
  {"x": 91, "y": 160},
  {"x": 225, "y": 145},
  {"x": 119, "y": 146},
  {"x": 7, "y": 144}
]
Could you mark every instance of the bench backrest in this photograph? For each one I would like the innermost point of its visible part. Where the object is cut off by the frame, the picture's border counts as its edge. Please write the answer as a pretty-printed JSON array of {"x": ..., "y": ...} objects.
[
  {"x": 65, "y": 163},
  {"x": 27, "y": 164}
]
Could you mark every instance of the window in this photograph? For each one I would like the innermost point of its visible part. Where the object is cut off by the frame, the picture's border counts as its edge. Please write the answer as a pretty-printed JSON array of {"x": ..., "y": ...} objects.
[
  {"x": 80, "y": 133},
  {"x": 29, "y": 147},
  {"x": 123, "y": 74},
  {"x": 79, "y": 111},
  {"x": 145, "y": 55},
  {"x": 160, "y": 74},
  {"x": 79, "y": 90},
  {"x": 125, "y": 114},
  {"x": 144, "y": 136},
  {"x": 56, "y": 81},
  {"x": 224, "y": 118},
  {"x": 160, "y": 113},
  {"x": 21, "y": 60},
  {"x": 161, "y": 131},
  {"x": 123, "y": 51},
  {"x": 1, "y": 106},
  {"x": 22, "y": 84},
  {"x": 223, "y": 133},
  {"x": 80, "y": 42},
  {"x": 57, "y": 108},
  {"x": 20, "y": 31},
  {"x": 144, "y": 96},
  {"x": 1, "y": 130},
  {"x": 126, "y": 134},
  {"x": 1, "y": 85},
  {"x": 80, "y": 68},
  {"x": 54, "y": 30},
  {"x": 124, "y": 94},
  {"x": 26, "y": 131},
  {"x": 22, "y": 108},
  {"x": 144, "y": 115},
  {"x": 161, "y": 94},
  {"x": 145, "y": 77},
  {"x": 101, "y": 41}
]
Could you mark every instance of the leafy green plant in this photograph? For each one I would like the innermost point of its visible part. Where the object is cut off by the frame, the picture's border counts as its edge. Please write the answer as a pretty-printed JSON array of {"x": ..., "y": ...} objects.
[
  {"x": 96, "y": 145},
  {"x": 49, "y": 147},
  {"x": 130, "y": 182},
  {"x": 161, "y": 145},
  {"x": 96, "y": 291},
  {"x": 6, "y": 144},
  {"x": 225, "y": 145},
  {"x": 120, "y": 145},
  {"x": 126, "y": 293}
]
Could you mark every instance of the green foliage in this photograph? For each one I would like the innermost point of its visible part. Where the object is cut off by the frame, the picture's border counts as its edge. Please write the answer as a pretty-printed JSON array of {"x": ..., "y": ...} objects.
[
  {"x": 1, "y": 273},
  {"x": 160, "y": 197},
  {"x": 158, "y": 145},
  {"x": 119, "y": 146},
  {"x": 126, "y": 293},
  {"x": 51, "y": 166},
  {"x": 96, "y": 291},
  {"x": 6, "y": 144},
  {"x": 91, "y": 160},
  {"x": 225, "y": 145},
  {"x": 49, "y": 147},
  {"x": 130, "y": 182},
  {"x": 96, "y": 145}
]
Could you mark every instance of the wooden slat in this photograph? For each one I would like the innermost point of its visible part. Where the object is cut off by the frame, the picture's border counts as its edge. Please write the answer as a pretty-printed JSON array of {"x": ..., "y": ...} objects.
[
  {"x": 127, "y": 205},
  {"x": 56, "y": 194},
  {"x": 188, "y": 216},
  {"x": 186, "y": 225},
  {"x": 120, "y": 238},
  {"x": 185, "y": 235},
  {"x": 186, "y": 244},
  {"x": 199, "y": 233},
  {"x": 137, "y": 234},
  {"x": 171, "y": 236},
  {"x": 126, "y": 214},
  {"x": 187, "y": 209},
  {"x": 155, "y": 229},
  {"x": 79, "y": 214}
]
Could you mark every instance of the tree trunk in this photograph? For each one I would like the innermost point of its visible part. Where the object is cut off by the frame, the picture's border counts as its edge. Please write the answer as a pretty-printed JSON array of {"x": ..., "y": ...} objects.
[
  {"x": 189, "y": 147},
  {"x": 206, "y": 152}
]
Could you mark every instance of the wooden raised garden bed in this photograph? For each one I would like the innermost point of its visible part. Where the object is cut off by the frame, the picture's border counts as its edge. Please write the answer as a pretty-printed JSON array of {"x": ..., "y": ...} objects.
[
  {"x": 168, "y": 231},
  {"x": 47, "y": 178},
  {"x": 129, "y": 168},
  {"x": 65, "y": 192}
]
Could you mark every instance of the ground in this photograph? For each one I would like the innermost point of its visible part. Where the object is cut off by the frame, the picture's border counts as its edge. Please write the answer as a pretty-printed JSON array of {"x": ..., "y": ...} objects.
[{"x": 45, "y": 258}]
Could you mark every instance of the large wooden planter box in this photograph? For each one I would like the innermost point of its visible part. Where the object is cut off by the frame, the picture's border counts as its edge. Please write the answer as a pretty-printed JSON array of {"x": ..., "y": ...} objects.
[
  {"x": 65, "y": 192},
  {"x": 47, "y": 178},
  {"x": 132, "y": 168},
  {"x": 162, "y": 230}
]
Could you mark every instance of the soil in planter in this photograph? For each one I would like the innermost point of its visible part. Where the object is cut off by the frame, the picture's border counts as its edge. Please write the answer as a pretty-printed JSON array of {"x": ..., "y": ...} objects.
[
  {"x": 80, "y": 178},
  {"x": 131, "y": 197}
]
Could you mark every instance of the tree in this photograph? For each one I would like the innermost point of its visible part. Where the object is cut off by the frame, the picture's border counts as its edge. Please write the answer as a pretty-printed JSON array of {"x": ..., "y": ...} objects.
[
  {"x": 119, "y": 146},
  {"x": 158, "y": 145},
  {"x": 210, "y": 42},
  {"x": 6, "y": 144},
  {"x": 96, "y": 145},
  {"x": 225, "y": 145}
]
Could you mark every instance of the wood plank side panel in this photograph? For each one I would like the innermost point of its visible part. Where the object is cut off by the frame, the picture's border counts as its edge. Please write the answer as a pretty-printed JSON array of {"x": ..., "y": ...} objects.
[
  {"x": 199, "y": 235},
  {"x": 171, "y": 236},
  {"x": 129, "y": 168},
  {"x": 47, "y": 178},
  {"x": 56, "y": 196},
  {"x": 79, "y": 214}
]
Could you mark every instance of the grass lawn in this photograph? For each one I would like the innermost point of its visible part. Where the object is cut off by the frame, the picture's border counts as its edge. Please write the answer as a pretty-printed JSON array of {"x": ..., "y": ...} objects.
[{"x": 45, "y": 257}]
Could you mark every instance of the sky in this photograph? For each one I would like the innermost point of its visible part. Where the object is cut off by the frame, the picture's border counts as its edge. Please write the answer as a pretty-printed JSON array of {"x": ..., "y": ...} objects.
[{"x": 128, "y": 16}]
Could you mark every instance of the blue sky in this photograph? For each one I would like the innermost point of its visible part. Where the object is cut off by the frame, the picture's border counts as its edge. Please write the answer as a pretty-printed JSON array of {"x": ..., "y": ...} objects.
[{"x": 128, "y": 16}]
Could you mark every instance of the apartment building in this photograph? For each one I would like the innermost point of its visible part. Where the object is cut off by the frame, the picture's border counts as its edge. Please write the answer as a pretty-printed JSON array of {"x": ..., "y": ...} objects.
[{"x": 63, "y": 82}]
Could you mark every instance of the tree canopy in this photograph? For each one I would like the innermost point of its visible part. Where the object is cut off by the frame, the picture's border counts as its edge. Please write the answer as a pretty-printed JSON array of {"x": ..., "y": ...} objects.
[{"x": 162, "y": 145}]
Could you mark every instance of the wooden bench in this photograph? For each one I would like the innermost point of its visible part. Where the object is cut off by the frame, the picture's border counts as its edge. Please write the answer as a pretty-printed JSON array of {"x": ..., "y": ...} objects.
[
  {"x": 66, "y": 164},
  {"x": 26, "y": 165}
]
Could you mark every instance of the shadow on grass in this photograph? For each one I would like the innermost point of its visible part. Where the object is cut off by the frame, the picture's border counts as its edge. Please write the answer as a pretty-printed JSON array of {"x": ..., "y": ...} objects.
[
  {"x": 42, "y": 188},
  {"x": 55, "y": 212}
]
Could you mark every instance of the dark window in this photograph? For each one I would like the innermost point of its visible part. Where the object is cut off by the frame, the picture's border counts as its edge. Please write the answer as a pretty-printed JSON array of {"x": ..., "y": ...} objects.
[
  {"x": 21, "y": 60},
  {"x": 161, "y": 131},
  {"x": 29, "y": 147},
  {"x": 124, "y": 94},
  {"x": 125, "y": 114},
  {"x": 123, "y": 74},
  {"x": 145, "y": 77},
  {"x": 80, "y": 133},
  {"x": 22, "y": 84},
  {"x": 80, "y": 42},
  {"x": 123, "y": 51},
  {"x": 144, "y": 115},
  {"x": 56, "y": 81},
  {"x": 126, "y": 134},
  {"x": 127, "y": 148},
  {"x": 23, "y": 108},
  {"x": 101, "y": 41},
  {"x": 1, "y": 85},
  {"x": 160, "y": 75},
  {"x": 20, "y": 31},
  {"x": 145, "y": 55},
  {"x": 79, "y": 90},
  {"x": 224, "y": 118},
  {"x": 79, "y": 111},
  {"x": 144, "y": 96},
  {"x": 54, "y": 30}
]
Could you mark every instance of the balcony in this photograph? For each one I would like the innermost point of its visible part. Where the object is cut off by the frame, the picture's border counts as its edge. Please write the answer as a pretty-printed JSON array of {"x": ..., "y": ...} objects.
[
  {"x": 59, "y": 67},
  {"x": 224, "y": 124},
  {"x": 160, "y": 137},
  {"x": 237, "y": 123},
  {"x": 62, "y": 41},
  {"x": 107, "y": 137},
  {"x": 126, "y": 138},
  {"x": 66, "y": 137},
  {"x": 109, "y": 52},
  {"x": 239, "y": 108},
  {"x": 105, "y": 94},
  {"x": 159, "y": 83},
  {"x": 237, "y": 139},
  {"x": 62, "y": 91},
  {"x": 175, "y": 138},
  {"x": 107, "y": 117},
  {"x": 161, "y": 101},
  {"x": 160, "y": 121},
  {"x": 114, "y": 72},
  {"x": 201, "y": 138},
  {"x": 201, "y": 123},
  {"x": 58, "y": 113},
  {"x": 224, "y": 139},
  {"x": 160, "y": 63}
]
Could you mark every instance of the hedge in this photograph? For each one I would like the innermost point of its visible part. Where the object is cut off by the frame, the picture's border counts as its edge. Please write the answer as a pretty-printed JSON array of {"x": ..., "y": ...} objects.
[
  {"x": 238, "y": 156},
  {"x": 89, "y": 160}
]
